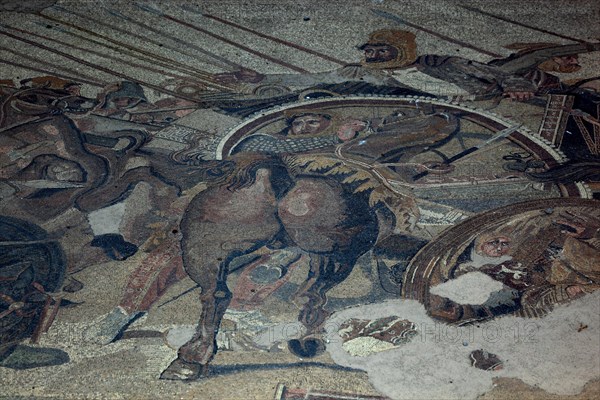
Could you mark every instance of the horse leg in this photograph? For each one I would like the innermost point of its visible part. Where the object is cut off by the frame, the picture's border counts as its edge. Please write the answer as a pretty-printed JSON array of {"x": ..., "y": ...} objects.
[
  {"x": 193, "y": 358},
  {"x": 217, "y": 227},
  {"x": 325, "y": 273},
  {"x": 335, "y": 227}
]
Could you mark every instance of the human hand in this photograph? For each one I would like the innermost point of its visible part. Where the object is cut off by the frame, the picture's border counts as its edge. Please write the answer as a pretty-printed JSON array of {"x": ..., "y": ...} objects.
[
  {"x": 348, "y": 130},
  {"x": 519, "y": 96},
  {"x": 575, "y": 291}
]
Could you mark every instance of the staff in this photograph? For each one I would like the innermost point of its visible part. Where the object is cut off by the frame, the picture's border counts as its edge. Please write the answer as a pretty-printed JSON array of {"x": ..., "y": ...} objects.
[
  {"x": 500, "y": 135},
  {"x": 221, "y": 38},
  {"x": 399, "y": 20}
]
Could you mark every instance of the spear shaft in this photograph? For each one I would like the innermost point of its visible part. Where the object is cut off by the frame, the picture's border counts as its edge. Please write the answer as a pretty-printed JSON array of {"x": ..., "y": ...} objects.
[
  {"x": 222, "y": 61},
  {"x": 108, "y": 56},
  {"x": 98, "y": 67},
  {"x": 510, "y": 21},
  {"x": 131, "y": 54},
  {"x": 275, "y": 39},
  {"x": 238, "y": 45},
  {"x": 182, "y": 66},
  {"x": 165, "y": 62},
  {"x": 79, "y": 76},
  {"x": 247, "y": 49}
]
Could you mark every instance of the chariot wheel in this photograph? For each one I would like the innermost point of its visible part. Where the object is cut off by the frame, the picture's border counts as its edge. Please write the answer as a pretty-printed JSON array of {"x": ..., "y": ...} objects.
[{"x": 31, "y": 265}]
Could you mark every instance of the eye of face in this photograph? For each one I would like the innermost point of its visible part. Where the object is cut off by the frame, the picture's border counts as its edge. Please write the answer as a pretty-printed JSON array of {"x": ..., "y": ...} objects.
[
  {"x": 380, "y": 53},
  {"x": 498, "y": 243}
]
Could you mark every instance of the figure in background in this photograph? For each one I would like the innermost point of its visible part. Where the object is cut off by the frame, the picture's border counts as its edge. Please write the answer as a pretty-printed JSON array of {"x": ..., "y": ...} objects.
[
  {"x": 390, "y": 59},
  {"x": 540, "y": 263},
  {"x": 306, "y": 130}
]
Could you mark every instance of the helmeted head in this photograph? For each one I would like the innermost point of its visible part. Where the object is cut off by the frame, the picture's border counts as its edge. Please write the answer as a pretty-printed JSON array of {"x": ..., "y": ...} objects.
[
  {"x": 52, "y": 82},
  {"x": 389, "y": 48},
  {"x": 127, "y": 95}
]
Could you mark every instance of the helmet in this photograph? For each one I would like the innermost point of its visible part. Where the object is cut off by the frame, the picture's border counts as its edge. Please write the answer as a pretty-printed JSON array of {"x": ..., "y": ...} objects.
[
  {"x": 126, "y": 89},
  {"x": 403, "y": 41}
]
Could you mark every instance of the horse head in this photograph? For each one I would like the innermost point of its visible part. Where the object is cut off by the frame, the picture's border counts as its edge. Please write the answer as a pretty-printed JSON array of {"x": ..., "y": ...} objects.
[{"x": 25, "y": 103}]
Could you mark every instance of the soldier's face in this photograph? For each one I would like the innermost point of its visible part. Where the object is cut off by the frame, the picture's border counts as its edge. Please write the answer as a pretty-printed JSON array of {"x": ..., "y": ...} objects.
[
  {"x": 497, "y": 247},
  {"x": 309, "y": 124},
  {"x": 379, "y": 53}
]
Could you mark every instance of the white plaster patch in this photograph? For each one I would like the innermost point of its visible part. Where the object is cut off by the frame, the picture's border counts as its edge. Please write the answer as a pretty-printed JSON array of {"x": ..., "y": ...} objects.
[
  {"x": 179, "y": 335},
  {"x": 208, "y": 120},
  {"x": 250, "y": 324},
  {"x": 107, "y": 220},
  {"x": 426, "y": 83},
  {"x": 470, "y": 288},
  {"x": 550, "y": 352},
  {"x": 279, "y": 333},
  {"x": 364, "y": 346}
]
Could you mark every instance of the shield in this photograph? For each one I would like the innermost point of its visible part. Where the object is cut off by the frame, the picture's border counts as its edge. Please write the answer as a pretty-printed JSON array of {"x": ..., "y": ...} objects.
[{"x": 31, "y": 265}]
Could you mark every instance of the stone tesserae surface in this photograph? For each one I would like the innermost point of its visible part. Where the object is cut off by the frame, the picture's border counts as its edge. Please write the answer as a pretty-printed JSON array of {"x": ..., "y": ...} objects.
[{"x": 299, "y": 200}]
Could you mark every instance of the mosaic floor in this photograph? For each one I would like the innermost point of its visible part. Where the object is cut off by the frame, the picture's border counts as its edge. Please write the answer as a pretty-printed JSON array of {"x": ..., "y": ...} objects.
[{"x": 299, "y": 200}]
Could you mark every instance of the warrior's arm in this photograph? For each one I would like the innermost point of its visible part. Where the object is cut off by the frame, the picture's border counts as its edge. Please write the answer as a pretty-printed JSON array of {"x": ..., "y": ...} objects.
[
  {"x": 507, "y": 81},
  {"x": 526, "y": 62},
  {"x": 347, "y": 73}
]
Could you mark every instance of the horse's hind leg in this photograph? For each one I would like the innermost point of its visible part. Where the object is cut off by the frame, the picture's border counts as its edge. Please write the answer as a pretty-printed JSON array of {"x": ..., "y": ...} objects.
[
  {"x": 336, "y": 228},
  {"x": 218, "y": 226},
  {"x": 325, "y": 273}
]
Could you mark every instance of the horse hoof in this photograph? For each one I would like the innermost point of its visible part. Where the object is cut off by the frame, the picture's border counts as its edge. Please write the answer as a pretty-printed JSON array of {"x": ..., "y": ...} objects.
[
  {"x": 180, "y": 370},
  {"x": 306, "y": 348}
]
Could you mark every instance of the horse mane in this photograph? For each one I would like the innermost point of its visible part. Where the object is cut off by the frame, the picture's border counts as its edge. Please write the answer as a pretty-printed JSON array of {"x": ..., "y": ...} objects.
[
  {"x": 5, "y": 102},
  {"x": 244, "y": 174}
]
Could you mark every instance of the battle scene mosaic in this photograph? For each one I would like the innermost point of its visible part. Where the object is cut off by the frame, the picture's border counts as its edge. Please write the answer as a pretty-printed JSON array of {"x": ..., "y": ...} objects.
[{"x": 299, "y": 200}]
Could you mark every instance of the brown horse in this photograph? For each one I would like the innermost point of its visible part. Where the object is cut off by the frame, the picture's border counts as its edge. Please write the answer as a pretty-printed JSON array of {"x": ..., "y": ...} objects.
[
  {"x": 265, "y": 201},
  {"x": 318, "y": 215}
]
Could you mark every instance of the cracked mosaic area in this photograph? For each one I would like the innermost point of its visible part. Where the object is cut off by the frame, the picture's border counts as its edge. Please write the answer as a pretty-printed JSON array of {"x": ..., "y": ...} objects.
[{"x": 234, "y": 200}]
